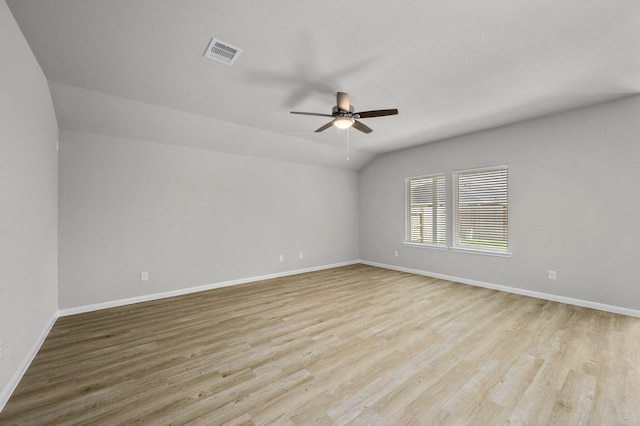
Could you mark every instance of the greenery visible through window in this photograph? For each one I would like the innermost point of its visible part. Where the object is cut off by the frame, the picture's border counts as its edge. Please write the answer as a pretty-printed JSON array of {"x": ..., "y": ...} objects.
[
  {"x": 480, "y": 209},
  {"x": 425, "y": 204}
]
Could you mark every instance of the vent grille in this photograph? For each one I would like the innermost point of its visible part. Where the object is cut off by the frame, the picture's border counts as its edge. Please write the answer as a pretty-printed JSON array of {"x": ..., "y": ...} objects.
[{"x": 223, "y": 52}]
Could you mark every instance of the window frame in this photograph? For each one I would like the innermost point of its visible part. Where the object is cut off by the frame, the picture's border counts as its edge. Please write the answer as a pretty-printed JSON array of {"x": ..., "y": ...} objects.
[
  {"x": 407, "y": 215},
  {"x": 455, "y": 242}
]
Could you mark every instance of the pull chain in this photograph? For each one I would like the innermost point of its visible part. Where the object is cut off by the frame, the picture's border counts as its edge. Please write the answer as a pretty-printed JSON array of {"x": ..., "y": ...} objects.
[{"x": 347, "y": 144}]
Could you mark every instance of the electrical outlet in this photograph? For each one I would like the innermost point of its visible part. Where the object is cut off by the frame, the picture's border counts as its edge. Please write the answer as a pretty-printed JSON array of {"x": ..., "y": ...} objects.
[
  {"x": 552, "y": 275},
  {"x": 395, "y": 253},
  {"x": 144, "y": 276},
  {"x": 281, "y": 258},
  {"x": 301, "y": 255}
]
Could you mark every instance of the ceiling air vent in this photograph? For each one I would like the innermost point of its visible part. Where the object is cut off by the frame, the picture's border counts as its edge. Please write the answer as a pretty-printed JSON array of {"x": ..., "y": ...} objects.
[{"x": 223, "y": 52}]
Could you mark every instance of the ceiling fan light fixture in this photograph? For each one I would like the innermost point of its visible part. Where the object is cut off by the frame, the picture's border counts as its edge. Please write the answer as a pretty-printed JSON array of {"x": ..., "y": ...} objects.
[{"x": 343, "y": 122}]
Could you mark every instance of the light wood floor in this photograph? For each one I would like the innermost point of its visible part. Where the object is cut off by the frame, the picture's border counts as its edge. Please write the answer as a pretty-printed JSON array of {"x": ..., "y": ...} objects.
[{"x": 352, "y": 345}]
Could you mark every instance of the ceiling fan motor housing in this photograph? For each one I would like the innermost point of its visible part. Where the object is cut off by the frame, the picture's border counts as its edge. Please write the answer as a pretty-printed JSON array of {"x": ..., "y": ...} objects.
[{"x": 336, "y": 112}]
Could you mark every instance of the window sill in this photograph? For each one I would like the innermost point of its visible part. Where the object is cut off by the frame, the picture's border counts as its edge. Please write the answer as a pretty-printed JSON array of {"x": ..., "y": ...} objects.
[
  {"x": 425, "y": 246},
  {"x": 486, "y": 252}
]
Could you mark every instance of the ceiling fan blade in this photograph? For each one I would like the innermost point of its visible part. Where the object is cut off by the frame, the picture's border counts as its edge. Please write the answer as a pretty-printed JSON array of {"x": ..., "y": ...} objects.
[
  {"x": 342, "y": 100},
  {"x": 325, "y": 127},
  {"x": 312, "y": 113},
  {"x": 358, "y": 125},
  {"x": 376, "y": 113}
]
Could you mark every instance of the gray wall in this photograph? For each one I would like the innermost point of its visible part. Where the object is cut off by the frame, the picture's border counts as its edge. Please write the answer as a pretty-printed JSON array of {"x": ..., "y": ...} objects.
[
  {"x": 191, "y": 217},
  {"x": 28, "y": 201},
  {"x": 574, "y": 204}
]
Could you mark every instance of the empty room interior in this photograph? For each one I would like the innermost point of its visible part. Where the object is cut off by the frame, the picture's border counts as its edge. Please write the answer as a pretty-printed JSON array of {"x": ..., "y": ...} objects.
[{"x": 295, "y": 213}]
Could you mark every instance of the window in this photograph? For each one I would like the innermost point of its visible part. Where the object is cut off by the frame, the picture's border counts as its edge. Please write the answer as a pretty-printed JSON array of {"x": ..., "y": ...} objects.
[
  {"x": 480, "y": 209},
  {"x": 426, "y": 210}
]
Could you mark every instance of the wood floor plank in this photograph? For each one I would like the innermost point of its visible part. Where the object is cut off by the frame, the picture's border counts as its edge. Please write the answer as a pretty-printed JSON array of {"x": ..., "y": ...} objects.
[{"x": 351, "y": 345}]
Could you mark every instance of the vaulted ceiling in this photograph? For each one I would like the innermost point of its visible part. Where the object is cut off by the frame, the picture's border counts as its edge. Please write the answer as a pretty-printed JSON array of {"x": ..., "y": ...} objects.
[{"x": 135, "y": 68}]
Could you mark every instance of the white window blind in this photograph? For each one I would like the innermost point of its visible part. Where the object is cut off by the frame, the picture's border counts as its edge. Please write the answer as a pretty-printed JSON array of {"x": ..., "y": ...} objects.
[
  {"x": 480, "y": 211},
  {"x": 425, "y": 204}
]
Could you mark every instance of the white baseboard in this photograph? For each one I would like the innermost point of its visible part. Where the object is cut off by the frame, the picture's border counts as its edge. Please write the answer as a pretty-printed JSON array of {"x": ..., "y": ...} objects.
[
  {"x": 183, "y": 291},
  {"x": 514, "y": 290},
  {"x": 17, "y": 376}
]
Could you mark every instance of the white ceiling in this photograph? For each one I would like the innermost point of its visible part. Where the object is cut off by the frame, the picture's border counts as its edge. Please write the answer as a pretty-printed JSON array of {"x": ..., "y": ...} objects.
[{"x": 135, "y": 68}]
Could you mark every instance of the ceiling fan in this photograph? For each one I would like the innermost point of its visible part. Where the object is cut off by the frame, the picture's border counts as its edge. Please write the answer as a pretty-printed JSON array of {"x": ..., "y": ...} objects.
[{"x": 344, "y": 115}]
